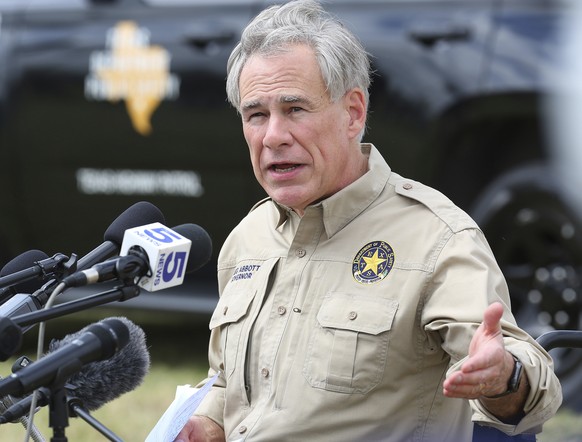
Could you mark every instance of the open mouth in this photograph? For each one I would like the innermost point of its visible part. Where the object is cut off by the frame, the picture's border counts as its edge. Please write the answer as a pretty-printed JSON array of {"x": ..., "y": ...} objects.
[{"x": 283, "y": 168}]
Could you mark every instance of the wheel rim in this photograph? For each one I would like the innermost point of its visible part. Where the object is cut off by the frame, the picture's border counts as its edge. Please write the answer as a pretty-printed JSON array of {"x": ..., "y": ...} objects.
[{"x": 539, "y": 250}]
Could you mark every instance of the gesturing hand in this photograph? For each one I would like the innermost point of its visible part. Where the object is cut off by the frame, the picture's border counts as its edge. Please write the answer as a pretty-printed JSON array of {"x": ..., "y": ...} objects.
[{"x": 489, "y": 366}]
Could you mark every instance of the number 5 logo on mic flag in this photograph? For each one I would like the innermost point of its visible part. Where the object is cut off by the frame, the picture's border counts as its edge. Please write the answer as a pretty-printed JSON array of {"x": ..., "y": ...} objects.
[{"x": 167, "y": 253}]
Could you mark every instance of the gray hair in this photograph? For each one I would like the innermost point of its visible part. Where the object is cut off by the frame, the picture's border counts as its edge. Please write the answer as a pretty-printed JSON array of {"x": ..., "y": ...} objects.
[{"x": 343, "y": 62}]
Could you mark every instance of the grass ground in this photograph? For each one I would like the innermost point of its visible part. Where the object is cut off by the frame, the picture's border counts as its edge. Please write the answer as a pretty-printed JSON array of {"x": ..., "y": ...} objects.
[{"x": 177, "y": 347}]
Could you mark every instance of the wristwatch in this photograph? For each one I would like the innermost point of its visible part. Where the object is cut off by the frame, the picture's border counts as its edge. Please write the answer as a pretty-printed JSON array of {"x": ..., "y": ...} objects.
[{"x": 514, "y": 380}]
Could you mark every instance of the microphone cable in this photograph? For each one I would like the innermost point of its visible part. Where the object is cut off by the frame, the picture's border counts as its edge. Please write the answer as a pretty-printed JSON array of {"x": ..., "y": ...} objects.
[{"x": 39, "y": 353}]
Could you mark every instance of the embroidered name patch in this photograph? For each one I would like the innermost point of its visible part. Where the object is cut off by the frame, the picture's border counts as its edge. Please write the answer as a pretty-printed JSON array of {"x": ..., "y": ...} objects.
[
  {"x": 373, "y": 262},
  {"x": 244, "y": 272}
]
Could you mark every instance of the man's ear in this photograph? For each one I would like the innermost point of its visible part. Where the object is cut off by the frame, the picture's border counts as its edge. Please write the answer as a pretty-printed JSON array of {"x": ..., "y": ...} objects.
[{"x": 355, "y": 101}]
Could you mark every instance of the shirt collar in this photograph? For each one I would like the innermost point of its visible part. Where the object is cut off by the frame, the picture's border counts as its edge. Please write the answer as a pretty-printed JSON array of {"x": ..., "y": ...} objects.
[{"x": 345, "y": 205}]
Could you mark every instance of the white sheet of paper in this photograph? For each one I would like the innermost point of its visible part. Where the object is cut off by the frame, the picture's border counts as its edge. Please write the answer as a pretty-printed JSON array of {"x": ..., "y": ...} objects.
[{"x": 186, "y": 401}]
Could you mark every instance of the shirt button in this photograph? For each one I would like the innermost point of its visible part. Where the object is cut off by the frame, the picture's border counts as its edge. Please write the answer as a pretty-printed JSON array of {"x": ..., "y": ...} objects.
[
  {"x": 407, "y": 186},
  {"x": 281, "y": 310},
  {"x": 265, "y": 372},
  {"x": 353, "y": 315},
  {"x": 300, "y": 253},
  {"x": 242, "y": 429}
]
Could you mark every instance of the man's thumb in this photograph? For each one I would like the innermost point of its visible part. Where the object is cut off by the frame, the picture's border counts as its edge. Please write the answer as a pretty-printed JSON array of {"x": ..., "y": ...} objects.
[{"x": 492, "y": 318}]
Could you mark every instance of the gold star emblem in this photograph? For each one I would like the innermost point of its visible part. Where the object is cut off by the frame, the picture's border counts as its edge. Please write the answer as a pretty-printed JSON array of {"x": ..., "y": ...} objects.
[{"x": 373, "y": 262}]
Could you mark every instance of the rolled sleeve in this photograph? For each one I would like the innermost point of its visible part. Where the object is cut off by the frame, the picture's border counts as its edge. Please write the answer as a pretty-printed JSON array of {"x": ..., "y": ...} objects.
[
  {"x": 467, "y": 276},
  {"x": 545, "y": 395}
]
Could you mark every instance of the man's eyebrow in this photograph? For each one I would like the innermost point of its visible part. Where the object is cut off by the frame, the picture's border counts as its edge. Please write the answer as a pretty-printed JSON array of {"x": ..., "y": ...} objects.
[
  {"x": 284, "y": 99},
  {"x": 294, "y": 99},
  {"x": 250, "y": 105}
]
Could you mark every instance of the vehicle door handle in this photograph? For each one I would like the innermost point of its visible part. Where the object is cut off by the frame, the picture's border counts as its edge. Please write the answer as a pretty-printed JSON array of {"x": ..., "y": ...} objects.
[{"x": 428, "y": 37}]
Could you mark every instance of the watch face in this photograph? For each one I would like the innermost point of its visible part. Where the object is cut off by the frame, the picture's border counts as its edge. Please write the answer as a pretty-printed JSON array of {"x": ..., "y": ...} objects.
[{"x": 515, "y": 378}]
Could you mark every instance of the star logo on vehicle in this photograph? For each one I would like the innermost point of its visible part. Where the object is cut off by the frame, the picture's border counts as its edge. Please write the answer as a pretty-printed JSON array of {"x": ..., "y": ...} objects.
[
  {"x": 134, "y": 71},
  {"x": 373, "y": 262}
]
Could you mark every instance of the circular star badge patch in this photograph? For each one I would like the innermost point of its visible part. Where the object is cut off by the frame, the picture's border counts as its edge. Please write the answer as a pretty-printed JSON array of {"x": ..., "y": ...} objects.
[{"x": 373, "y": 262}]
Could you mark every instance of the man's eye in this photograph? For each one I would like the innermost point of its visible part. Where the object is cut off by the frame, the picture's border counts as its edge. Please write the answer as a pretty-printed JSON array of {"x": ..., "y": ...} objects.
[
  {"x": 255, "y": 115},
  {"x": 296, "y": 109}
]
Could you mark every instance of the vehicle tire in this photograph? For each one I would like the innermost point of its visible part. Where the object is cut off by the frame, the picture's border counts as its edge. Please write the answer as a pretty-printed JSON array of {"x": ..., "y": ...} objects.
[{"x": 537, "y": 241}]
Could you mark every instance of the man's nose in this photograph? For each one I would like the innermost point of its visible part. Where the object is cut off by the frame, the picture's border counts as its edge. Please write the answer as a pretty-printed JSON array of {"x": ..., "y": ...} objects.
[{"x": 277, "y": 133}]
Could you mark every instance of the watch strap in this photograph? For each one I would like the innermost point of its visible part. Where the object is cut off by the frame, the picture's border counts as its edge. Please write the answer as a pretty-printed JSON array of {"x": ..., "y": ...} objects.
[{"x": 514, "y": 380}]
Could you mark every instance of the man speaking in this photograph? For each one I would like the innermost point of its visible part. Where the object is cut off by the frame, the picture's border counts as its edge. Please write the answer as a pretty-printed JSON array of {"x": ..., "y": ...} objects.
[{"x": 371, "y": 307}]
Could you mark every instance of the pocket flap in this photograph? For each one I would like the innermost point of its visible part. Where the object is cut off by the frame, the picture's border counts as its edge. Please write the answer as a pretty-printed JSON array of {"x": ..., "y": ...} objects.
[
  {"x": 367, "y": 314},
  {"x": 231, "y": 307}
]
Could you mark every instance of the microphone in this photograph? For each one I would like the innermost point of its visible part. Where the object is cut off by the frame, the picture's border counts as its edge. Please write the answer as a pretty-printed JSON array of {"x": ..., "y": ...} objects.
[
  {"x": 14, "y": 299},
  {"x": 165, "y": 270},
  {"x": 201, "y": 250},
  {"x": 137, "y": 214},
  {"x": 99, "y": 341},
  {"x": 99, "y": 382},
  {"x": 154, "y": 255},
  {"x": 20, "y": 263},
  {"x": 57, "y": 265}
]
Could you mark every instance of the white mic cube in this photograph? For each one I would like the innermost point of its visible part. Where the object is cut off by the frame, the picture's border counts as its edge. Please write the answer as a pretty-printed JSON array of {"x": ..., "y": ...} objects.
[{"x": 167, "y": 252}]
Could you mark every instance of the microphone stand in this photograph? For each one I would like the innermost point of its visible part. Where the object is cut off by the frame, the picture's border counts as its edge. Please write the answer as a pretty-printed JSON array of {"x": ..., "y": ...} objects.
[
  {"x": 58, "y": 412},
  {"x": 76, "y": 409},
  {"x": 120, "y": 293},
  {"x": 59, "y": 408}
]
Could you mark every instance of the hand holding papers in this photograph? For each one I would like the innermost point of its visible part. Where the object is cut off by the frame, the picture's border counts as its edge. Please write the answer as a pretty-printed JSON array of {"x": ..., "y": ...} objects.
[{"x": 185, "y": 403}]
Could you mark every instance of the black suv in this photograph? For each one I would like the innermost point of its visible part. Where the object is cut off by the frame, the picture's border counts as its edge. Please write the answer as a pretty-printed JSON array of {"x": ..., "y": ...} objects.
[{"x": 107, "y": 102}]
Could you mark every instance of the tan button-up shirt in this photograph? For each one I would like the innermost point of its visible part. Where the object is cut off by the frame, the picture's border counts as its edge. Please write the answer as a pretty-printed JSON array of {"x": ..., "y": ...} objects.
[{"x": 341, "y": 325}]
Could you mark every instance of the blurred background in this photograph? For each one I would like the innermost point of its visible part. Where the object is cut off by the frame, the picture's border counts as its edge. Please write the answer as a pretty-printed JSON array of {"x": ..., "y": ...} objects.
[{"x": 104, "y": 103}]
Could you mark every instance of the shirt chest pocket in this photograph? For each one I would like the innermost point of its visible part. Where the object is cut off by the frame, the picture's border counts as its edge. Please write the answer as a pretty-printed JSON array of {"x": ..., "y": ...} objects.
[
  {"x": 348, "y": 348},
  {"x": 234, "y": 311}
]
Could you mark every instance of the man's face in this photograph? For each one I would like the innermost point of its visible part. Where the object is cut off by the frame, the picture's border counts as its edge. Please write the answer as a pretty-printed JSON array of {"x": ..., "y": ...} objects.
[{"x": 303, "y": 147}]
